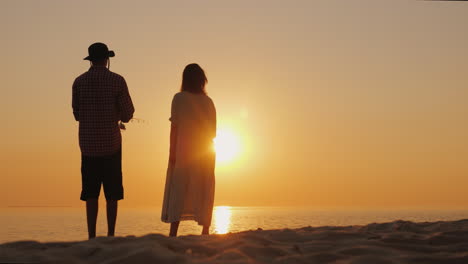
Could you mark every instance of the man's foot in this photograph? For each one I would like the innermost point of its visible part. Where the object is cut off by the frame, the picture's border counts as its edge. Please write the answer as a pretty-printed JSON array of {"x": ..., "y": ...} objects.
[
  {"x": 111, "y": 217},
  {"x": 91, "y": 215}
]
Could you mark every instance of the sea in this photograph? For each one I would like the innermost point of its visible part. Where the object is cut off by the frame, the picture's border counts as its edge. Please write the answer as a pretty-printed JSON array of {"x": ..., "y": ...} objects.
[{"x": 51, "y": 224}]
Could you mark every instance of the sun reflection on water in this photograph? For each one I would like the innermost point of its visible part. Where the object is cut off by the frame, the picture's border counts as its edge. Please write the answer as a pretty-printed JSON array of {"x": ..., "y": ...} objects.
[{"x": 222, "y": 219}]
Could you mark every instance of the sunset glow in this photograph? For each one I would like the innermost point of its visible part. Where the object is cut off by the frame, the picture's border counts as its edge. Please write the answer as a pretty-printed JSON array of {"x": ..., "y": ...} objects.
[
  {"x": 227, "y": 145},
  {"x": 222, "y": 219},
  {"x": 330, "y": 103}
]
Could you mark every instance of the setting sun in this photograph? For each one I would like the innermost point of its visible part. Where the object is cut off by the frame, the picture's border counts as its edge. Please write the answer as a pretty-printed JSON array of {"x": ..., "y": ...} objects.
[{"x": 227, "y": 145}]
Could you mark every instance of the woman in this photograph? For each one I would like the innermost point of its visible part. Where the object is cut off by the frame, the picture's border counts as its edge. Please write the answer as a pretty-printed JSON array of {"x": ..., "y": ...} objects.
[{"x": 190, "y": 180}]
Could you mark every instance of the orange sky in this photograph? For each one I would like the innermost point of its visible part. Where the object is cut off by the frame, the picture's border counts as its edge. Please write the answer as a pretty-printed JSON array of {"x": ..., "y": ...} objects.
[{"x": 336, "y": 103}]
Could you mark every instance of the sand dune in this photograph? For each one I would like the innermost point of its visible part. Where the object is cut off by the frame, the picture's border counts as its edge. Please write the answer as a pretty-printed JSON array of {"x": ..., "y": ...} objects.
[{"x": 395, "y": 242}]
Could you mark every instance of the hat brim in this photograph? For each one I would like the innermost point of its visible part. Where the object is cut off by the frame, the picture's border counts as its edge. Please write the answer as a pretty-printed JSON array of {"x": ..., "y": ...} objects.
[{"x": 109, "y": 55}]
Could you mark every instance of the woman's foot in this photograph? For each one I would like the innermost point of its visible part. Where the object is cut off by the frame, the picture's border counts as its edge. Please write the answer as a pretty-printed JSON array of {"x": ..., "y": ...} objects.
[
  {"x": 174, "y": 228},
  {"x": 206, "y": 230}
]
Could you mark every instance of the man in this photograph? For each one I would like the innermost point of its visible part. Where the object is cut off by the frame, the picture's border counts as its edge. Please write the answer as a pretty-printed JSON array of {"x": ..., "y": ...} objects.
[{"x": 100, "y": 100}]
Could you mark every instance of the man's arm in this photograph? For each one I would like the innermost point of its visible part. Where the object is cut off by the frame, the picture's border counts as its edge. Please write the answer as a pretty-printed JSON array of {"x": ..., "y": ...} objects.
[
  {"x": 76, "y": 101},
  {"x": 125, "y": 103}
]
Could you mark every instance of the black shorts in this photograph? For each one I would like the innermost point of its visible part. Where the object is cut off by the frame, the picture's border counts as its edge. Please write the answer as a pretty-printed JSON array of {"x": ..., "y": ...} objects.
[{"x": 105, "y": 170}]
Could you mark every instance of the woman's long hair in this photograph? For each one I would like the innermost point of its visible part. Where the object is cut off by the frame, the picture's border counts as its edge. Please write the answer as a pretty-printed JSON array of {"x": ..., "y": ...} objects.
[{"x": 194, "y": 79}]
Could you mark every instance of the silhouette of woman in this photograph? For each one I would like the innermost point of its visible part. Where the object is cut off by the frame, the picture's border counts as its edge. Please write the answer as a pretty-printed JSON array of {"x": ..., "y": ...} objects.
[{"x": 190, "y": 180}]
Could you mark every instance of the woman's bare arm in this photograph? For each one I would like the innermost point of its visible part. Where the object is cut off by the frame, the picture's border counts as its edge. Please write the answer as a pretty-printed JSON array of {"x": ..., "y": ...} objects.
[{"x": 173, "y": 144}]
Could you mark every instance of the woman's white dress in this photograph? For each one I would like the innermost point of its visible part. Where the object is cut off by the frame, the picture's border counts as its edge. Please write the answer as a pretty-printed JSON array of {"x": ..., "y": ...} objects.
[{"x": 190, "y": 183}]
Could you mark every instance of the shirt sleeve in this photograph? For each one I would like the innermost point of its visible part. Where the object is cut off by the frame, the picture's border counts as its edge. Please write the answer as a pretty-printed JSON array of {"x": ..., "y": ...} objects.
[
  {"x": 125, "y": 103},
  {"x": 213, "y": 119},
  {"x": 174, "y": 110},
  {"x": 75, "y": 101}
]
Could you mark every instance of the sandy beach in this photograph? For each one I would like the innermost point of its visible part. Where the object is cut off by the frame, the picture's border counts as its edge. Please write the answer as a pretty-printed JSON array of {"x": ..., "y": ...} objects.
[{"x": 394, "y": 242}]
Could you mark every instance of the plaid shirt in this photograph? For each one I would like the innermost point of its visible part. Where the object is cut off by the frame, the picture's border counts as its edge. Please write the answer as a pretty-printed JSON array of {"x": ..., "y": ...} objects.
[{"x": 100, "y": 99}]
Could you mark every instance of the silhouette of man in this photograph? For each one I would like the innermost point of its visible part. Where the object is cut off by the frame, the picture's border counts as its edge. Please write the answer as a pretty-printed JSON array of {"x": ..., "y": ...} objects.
[{"x": 100, "y": 99}]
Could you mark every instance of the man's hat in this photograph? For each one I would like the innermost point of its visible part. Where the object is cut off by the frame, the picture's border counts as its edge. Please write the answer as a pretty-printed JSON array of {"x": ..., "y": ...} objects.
[{"x": 99, "y": 51}]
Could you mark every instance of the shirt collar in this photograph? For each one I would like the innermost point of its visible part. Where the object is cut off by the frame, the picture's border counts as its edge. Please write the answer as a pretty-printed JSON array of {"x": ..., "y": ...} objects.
[{"x": 98, "y": 68}]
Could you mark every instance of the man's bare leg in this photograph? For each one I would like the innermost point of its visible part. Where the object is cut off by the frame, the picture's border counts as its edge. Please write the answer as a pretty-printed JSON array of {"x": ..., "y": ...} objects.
[
  {"x": 174, "y": 228},
  {"x": 206, "y": 230},
  {"x": 111, "y": 216},
  {"x": 91, "y": 215}
]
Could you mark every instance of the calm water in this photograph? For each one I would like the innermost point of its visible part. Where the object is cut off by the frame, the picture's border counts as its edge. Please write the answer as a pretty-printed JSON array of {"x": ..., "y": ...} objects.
[{"x": 67, "y": 224}]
